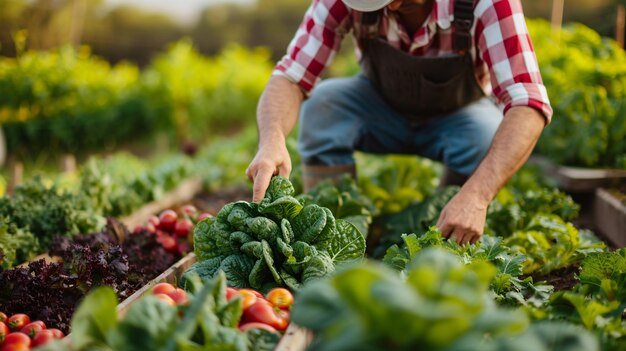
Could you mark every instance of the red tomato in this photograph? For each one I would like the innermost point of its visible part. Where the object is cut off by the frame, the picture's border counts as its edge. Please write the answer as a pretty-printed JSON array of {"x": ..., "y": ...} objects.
[
  {"x": 168, "y": 243},
  {"x": 166, "y": 298},
  {"x": 231, "y": 293},
  {"x": 183, "y": 227},
  {"x": 183, "y": 247},
  {"x": 154, "y": 220},
  {"x": 202, "y": 216},
  {"x": 256, "y": 325},
  {"x": 249, "y": 298},
  {"x": 17, "y": 321},
  {"x": 31, "y": 329},
  {"x": 179, "y": 296},
  {"x": 4, "y": 330},
  {"x": 3, "y": 317},
  {"x": 138, "y": 229},
  {"x": 163, "y": 288},
  {"x": 57, "y": 333},
  {"x": 15, "y": 347},
  {"x": 189, "y": 210},
  {"x": 16, "y": 338},
  {"x": 150, "y": 228},
  {"x": 167, "y": 220},
  {"x": 264, "y": 312},
  {"x": 281, "y": 298},
  {"x": 43, "y": 337}
]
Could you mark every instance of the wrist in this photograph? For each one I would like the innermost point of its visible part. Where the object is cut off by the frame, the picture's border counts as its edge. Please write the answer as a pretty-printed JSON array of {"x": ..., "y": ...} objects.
[
  {"x": 270, "y": 139},
  {"x": 478, "y": 193}
]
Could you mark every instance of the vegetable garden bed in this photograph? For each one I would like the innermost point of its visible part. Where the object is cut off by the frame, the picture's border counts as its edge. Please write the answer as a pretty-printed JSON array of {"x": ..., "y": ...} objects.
[
  {"x": 610, "y": 216},
  {"x": 577, "y": 179}
]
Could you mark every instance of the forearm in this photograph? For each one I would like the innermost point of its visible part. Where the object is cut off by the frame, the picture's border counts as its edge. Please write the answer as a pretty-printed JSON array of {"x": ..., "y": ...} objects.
[
  {"x": 277, "y": 111},
  {"x": 512, "y": 145}
]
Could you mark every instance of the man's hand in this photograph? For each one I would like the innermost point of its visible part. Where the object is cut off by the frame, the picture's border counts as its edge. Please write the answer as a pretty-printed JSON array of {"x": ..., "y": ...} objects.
[
  {"x": 463, "y": 219},
  {"x": 271, "y": 159}
]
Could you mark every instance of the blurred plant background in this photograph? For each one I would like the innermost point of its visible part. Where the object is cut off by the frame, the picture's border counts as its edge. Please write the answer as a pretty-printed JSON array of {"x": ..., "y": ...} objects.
[{"x": 96, "y": 76}]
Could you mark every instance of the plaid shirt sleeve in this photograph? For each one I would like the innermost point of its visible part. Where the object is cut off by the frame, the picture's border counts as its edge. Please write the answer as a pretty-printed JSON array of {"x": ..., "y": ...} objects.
[
  {"x": 315, "y": 44},
  {"x": 504, "y": 45}
]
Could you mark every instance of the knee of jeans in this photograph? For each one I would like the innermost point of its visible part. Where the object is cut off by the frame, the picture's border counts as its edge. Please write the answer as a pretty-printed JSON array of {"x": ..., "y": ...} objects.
[{"x": 467, "y": 155}]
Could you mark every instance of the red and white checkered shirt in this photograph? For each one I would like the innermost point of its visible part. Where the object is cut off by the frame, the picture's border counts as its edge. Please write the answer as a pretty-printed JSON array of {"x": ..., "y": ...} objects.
[{"x": 505, "y": 61}]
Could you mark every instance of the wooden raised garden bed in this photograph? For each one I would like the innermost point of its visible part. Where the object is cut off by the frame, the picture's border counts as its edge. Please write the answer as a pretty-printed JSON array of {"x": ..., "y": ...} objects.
[
  {"x": 577, "y": 179},
  {"x": 610, "y": 217}
]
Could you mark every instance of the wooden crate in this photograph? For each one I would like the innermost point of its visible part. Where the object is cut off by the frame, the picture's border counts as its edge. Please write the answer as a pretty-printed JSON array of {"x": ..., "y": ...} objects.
[
  {"x": 171, "y": 275},
  {"x": 610, "y": 217},
  {"x": 576, "y": 179},
  {"x": 295, "y": 338}
]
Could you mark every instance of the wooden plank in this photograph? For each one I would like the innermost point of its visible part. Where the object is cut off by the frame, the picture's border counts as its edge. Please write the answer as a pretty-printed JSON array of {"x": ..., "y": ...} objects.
[
  {"x": 296, "y": 338},
  {"x": 578, "y": 179},
  {"x": 184, "y": 192},
  {"x": 610, "y": 217},
  {"x": 171, "y": 275}
]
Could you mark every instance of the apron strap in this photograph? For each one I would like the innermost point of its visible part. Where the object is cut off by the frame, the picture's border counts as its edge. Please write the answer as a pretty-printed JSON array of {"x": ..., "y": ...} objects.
[{"x": 463, "y": 22}]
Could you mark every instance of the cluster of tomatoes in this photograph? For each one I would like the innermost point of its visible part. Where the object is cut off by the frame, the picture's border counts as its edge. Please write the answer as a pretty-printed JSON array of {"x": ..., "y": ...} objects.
[
  {"x": 173, "y": 231},
  {"x": 18, "y": 333},
  {"x": 170, "y": 294},
  {"x": 270, "y": 312}
]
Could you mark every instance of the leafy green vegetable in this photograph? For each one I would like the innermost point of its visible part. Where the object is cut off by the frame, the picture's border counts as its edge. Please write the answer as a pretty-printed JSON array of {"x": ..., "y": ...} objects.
[
  {"x": 508, "y": 285},
  {"x": 17, "y": 245},
  {"x": 208, "y": 323},
  {"x": 416, "y": 218},
  {"x": 278, "y": 242},
  {"x": 345, "y": 200},
  {"x": 442, "y": 304}
]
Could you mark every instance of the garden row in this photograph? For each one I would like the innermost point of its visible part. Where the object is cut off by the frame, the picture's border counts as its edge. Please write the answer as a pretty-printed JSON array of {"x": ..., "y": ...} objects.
[{"x": 534, "y": 279}]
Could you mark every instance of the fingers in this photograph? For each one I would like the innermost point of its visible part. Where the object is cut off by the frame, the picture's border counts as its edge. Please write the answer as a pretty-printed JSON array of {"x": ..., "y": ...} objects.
[
  {"x": 261, "y": 181},
  {"x": 284, "y": 169}
]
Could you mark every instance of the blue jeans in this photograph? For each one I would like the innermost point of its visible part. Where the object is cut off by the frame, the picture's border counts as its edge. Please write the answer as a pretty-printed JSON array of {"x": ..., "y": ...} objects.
[{"x": 347, "y": 114}]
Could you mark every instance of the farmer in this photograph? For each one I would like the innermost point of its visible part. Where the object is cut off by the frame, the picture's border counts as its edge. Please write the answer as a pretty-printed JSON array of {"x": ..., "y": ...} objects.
[{"x": 431, "y": 70}]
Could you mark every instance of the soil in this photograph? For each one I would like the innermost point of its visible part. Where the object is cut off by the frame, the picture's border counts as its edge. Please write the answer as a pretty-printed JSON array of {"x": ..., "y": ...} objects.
[
  {"x": 214, "y": 201},
  {"x": 561, "y": 279}
]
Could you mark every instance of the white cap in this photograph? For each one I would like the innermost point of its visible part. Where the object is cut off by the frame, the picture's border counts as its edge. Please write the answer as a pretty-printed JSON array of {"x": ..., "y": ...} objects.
[{"x": 366, "y": 5}]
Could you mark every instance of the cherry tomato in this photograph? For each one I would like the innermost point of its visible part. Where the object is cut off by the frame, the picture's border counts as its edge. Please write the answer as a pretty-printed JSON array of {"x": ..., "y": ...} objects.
[
  {"x": 43, "y": 337},
  {"x": 15, "y": 347},
  {"x": 166, "y": 298},
  {"x": 202, "y": 216},
  {"x": 183, "y": 247},
  {"x": 183, "y": 227},
  {"x": 249, "y": 298},
  {"x": 150, "y": 228},
  {"x": 154, "y": 220},
  {"x": 16, "y": 338},
  {"x": 179, "y": 296},
  {"x": 32, "y": 328},
  {"x": 167, "y": 220},
  {"x": 138, "y": 229},
  {"x": 17, "y": 321},
  {"x": 257, "y": 325},
  {"x": 57, "y": 333},
  {"x": 264, "y": 312},
  {"x": 3, "y": 317},
  {"x": 4, "y": 331},
  {"x": 281, "y": 298},
  {"x": 168, "y": 243},
  {"x": 189, "y": 210},
  {"x": 231, "y": 293},
  {"x": 163, "y": 288}
]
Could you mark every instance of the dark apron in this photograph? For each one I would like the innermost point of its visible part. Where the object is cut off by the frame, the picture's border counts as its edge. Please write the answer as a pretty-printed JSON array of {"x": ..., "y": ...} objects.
[{"x": 421, "y": 88}]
